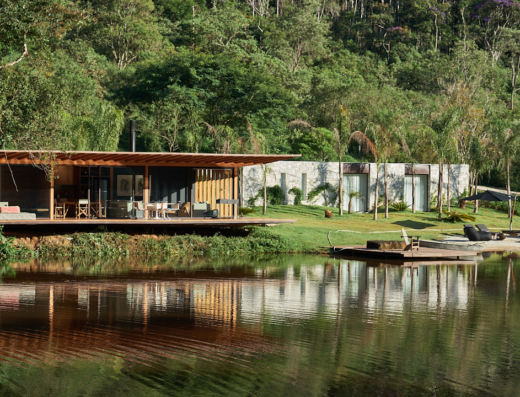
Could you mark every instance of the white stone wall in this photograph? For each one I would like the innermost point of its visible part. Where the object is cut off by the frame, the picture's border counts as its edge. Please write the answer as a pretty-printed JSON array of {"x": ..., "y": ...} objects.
[{"x": 320, "y": 173}]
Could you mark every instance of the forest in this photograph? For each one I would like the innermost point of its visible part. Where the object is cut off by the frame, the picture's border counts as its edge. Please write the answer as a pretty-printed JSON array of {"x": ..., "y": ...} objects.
[{"x": 420, "y": 81}]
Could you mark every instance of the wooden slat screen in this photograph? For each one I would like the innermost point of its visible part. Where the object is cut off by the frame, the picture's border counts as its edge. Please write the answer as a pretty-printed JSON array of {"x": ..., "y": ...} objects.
[{"x": 214, "y": 184}]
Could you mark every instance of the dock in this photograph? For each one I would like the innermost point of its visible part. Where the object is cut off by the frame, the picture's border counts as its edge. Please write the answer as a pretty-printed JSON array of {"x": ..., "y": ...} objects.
[{"x": 421, "y": 254}]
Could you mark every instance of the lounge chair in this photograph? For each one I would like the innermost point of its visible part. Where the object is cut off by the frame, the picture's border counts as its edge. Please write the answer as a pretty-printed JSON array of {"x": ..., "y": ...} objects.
[
  {"x": 474, "y": 235},
  {"x": 410, "y": 242},
  {"x": 483, "y": 228}
]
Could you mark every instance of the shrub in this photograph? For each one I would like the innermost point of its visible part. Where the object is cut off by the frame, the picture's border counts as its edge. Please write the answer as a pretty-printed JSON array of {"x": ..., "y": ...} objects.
[
  {"x": 456, "y": 217},
  {"x": 245, "y": 210},
  {"x": 400, "y": 206},
  {"x": 275, "y": 195},
  {"x": 298, "y": 195}
]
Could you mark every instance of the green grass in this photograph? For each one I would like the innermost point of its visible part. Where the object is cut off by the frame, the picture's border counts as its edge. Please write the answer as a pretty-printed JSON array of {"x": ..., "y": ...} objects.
[{"x": 312, "y": 227}]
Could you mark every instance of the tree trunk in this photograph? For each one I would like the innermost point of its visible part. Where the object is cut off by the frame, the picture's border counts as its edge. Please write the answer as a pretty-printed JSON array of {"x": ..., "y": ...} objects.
[
  {"x": 340, "y": 186},
  {"x": 376, "y": 192},
  {"x": 265, "y": 190},
  {"x": 508, "y": 187},
  {"x": 413, "y": 188},
  {"x": 350, "y": 205},
  {"x": 476, "y": 192},
  {"x": 386, "y": 193},
  {"x": 439, "y": 190},
  {"x": 448, "y": 204}
]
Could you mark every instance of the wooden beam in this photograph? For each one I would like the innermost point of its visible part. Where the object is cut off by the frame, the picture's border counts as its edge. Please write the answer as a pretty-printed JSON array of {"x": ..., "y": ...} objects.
[
  {"x": 235, "y": 191},
  {"x": 146, "y": 190},
  {"x": 51, "y": 196}
]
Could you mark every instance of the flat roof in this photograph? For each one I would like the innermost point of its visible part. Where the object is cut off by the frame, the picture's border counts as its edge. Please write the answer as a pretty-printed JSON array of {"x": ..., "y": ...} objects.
[{"x": 195, "y": 160}]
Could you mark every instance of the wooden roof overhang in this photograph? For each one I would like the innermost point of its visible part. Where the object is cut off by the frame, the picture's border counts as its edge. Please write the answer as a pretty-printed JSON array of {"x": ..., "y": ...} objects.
[{"x": 114, "y": 159}]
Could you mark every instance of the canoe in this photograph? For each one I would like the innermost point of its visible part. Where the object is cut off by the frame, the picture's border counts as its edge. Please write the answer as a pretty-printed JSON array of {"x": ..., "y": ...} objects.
[{"x": 449, "y": 245}]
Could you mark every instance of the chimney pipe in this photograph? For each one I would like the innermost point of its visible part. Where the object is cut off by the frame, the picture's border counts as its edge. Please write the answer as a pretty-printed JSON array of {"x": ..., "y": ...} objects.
[{"x": 132, "y": 135}]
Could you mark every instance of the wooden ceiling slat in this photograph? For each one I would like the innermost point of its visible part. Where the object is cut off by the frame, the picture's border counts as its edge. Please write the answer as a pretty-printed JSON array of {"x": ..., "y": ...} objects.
[{"x": 154, "y": 159}]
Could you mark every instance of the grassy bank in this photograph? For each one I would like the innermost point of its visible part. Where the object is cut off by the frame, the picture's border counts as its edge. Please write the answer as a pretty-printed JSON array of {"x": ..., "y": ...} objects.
[
  {"x": 307, "y": 235},
  {"x": 114, "y": 244},
  {"x": 312, "y": 227}
]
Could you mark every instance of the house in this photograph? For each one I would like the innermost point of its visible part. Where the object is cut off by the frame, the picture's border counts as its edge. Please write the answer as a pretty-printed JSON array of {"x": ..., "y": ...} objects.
[
  {"x": 361, "y": 177},
  {"x": 132, "y": 187}
]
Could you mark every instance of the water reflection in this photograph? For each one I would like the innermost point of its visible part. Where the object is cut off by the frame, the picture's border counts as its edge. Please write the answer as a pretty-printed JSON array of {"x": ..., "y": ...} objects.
[{"x": 297, "y": 325}]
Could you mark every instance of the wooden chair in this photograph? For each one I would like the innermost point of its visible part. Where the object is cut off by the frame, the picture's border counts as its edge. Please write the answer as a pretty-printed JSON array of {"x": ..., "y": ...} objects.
[
  {"x": 59, "y": 209},
  {"x": 184, "y": 211},
  {"x": 82, "y": 208},
  {"x": 410, "y": 242}
]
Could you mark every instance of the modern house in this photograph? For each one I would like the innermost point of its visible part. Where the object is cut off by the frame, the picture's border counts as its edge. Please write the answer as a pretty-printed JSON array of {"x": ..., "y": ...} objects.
[
  {"x": 130, "y": 187},
  {"x": 361, "y": 177}
]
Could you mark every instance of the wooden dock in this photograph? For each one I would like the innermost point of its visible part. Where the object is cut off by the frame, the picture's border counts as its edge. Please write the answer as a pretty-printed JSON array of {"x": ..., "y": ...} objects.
[{"x": 421, "y": 254}]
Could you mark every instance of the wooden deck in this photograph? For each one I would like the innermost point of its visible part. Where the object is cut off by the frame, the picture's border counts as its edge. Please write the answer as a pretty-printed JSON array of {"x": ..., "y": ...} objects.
[
  {"x": 177, "y": 222},
  {"x": 422, "y": 253}
]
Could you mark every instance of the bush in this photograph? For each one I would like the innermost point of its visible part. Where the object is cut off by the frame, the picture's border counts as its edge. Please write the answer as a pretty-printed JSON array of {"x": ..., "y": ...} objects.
[
  {"x": 298, "y": 195},
  {"x": 245, "y": 210},
  {"x": 320, "y": 189},
  {"x": 400, "y": 206},
  {"x": 456, "y": 217},
  {"x": 275, "y": 195}
]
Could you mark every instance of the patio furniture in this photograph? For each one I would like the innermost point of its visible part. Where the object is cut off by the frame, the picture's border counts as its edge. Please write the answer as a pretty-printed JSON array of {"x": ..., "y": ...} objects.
[
  {"x": 119, "y": 209},
  {"x": 59, "y": 209},
  {"x": 173, "y": 210},
  {"x": 139, "y": 206},
  {"x": 82, "y": 208},
  {"x": 98, "y": 210},
  {"x": 474, "y": 235},
  {"x": 410, "y": 242},
  {"x": 483, "y": 228},
  {"x": 184, "y": 211},
  {"x": 154, "y": 210},
  {"x": 200, "y": 208}
]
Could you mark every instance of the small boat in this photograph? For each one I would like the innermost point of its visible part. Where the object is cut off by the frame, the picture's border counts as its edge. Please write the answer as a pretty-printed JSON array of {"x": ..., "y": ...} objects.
[{"x": 452, "y": 245}]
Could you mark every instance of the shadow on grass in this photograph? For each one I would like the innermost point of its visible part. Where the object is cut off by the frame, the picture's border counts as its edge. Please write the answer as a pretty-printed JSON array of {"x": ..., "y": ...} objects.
[{"x": 414, "y": 224}]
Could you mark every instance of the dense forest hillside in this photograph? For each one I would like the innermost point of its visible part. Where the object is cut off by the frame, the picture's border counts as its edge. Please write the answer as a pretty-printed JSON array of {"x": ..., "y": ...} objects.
[{"x": 422, "y": 80}]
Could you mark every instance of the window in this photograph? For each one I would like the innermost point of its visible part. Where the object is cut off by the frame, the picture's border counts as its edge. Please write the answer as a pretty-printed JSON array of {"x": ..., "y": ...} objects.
[
  {"x": 283, "y": 185},
  {"x": 304, "y": 186}
]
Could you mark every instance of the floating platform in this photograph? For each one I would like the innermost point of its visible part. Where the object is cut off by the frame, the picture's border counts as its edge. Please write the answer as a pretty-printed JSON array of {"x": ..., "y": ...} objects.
[{"x": 422, "y": 254}]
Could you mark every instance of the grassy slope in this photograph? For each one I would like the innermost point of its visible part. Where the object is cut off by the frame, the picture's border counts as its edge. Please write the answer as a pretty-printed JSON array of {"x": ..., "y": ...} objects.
[{"x": 312, "y": 227}]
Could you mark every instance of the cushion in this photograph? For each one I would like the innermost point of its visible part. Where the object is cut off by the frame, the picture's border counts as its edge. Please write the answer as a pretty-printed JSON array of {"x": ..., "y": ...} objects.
[
  {"x": 10, "y": 210},
  {"x": 22, "y": 216}
]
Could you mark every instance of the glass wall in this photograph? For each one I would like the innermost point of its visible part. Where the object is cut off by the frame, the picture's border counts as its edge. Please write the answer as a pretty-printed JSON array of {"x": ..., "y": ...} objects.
[{"x": 25, "y": 186}]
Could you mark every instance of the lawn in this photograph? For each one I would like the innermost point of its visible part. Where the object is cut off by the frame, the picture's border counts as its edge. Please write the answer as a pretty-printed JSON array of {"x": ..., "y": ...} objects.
[{"x": 311, "y": 226}]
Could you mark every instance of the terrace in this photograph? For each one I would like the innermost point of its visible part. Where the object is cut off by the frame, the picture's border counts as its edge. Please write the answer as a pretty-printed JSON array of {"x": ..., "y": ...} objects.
[{"x": 127, "y": 188}]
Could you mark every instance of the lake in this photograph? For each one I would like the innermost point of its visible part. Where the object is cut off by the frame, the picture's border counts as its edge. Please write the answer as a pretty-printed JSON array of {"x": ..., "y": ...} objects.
[{"x": 266, "y": 326}]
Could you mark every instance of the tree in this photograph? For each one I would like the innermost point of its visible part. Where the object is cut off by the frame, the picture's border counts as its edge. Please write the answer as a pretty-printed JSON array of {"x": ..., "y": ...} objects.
[
  {"x": 352, "y": 195},
  {"x": 507, "y": 144},
  {"x": 444, "y": 144},
  {"x": 368, "y": 147},
  {"x": 510, "y": 43},
  {"x": 341, "y": 135}
]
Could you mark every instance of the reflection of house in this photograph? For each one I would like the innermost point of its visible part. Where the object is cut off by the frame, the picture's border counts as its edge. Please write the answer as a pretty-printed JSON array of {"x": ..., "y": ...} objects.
[
  {"x": 103, "y": 186},
  {"x": 361, "y": 177}
]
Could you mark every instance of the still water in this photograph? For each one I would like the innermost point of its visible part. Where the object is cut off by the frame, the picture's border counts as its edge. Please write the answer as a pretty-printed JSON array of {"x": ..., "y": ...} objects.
[{"x": 284, "y": 326}]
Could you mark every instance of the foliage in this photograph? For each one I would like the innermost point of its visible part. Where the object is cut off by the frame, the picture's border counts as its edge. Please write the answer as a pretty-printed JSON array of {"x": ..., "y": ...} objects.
[
  {"x": 275, "y": 195},
  {"x": 326, "y": 189},
  {"x": 458, "y": 217},
  {"x": 246, "y": 210},
  {"x": 298, "y": 195},
  {"x": 400, "y": 206}
]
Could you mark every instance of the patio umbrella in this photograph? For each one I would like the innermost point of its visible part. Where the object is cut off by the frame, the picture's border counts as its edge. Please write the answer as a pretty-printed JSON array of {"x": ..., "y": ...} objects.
[{"x": 488, "y": 195}]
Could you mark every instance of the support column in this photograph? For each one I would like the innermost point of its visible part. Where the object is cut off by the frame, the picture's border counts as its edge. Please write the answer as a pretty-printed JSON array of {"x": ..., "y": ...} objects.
[
  {"x": 51, "y": 193},
  {"x": 235, "y": 191},
  {"x": 146, "y": 191}
]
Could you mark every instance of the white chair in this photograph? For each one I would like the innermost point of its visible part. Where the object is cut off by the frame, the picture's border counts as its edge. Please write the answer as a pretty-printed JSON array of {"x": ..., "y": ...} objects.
[
  {"x": 82, "y": 208},
  {"x": 139, "y": 206},
  {"x": 173, "y": 210}
]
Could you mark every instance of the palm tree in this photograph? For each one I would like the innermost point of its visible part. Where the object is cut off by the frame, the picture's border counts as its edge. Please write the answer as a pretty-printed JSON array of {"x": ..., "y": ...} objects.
[{"x": 340, "y": 134}]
